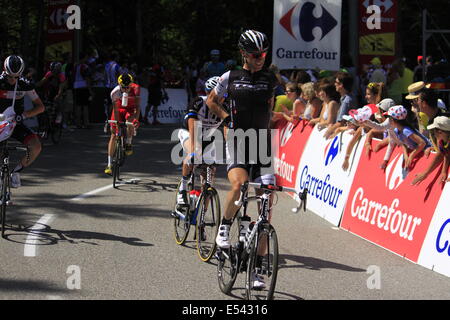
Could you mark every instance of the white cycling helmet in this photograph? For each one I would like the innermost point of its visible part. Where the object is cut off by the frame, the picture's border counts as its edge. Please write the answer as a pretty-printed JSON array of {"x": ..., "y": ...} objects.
[
  {"x": 211, "y": 83},
  {"x": 253, "y": 41},
  {"x": 14, "y": 66}
]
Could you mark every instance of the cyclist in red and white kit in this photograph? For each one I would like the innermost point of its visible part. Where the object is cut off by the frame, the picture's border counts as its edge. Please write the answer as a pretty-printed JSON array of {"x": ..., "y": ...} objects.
[
  {"x": 122, "y": 113},
  {"x": 13, "y": 89}
]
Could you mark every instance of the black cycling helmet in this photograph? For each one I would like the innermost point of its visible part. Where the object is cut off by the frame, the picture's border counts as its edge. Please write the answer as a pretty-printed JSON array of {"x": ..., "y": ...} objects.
[
  {"x": 55, "y": 67},
  {"x": 253, "y": 41},
  {"x": 14, "y": 66},
  {"x": 125, "y": 80}
]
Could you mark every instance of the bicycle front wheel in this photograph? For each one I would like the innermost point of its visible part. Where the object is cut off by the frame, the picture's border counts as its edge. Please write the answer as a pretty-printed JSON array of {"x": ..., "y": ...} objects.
[
  {"x": 262, "y": 268},
  {"x": 5, "y": 197},
  {"x": 181, "y": 220},
  {"x": 208, "y": 222},
  {"x": 229, "y": 261},
  {"x": 116, "y": 162}
]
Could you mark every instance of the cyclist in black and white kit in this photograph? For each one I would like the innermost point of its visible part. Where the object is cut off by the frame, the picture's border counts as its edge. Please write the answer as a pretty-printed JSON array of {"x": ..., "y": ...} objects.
[
  {"x": 250, "y": 93},
  {"x": 197, "y": 114},
  {"x": 13, "y": 89}
]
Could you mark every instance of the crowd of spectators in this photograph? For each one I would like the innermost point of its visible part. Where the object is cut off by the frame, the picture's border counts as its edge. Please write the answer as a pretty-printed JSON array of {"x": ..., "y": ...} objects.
[{"x": 385, "y": 104}]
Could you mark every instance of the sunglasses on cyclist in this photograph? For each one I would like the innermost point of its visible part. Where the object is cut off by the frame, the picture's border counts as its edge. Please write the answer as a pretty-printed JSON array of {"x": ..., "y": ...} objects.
[{"x": 257, "y": 55}]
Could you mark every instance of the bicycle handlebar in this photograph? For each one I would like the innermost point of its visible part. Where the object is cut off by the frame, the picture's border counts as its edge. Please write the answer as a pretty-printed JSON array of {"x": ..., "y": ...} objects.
[
  {"x": 120, "y": 123},
  {"x": 270, "y": 187}
]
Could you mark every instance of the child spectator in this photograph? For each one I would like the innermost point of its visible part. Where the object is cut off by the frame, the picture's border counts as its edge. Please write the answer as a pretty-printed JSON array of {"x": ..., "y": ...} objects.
[{"x": 413, "y": 142}]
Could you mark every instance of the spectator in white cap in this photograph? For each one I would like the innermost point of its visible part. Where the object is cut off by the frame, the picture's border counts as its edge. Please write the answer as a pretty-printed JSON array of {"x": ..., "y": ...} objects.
[
  {"x": 386, "y": 128},
  {"x": 440, "y": 137},
  {"x": 413, "y": 142},
  {"x": 214, "y": 68}
]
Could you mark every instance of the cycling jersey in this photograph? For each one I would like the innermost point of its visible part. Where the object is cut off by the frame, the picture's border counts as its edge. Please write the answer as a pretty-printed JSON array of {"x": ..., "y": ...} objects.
[
  {"x": 198, "y": 110},
  {"x": 117, "y": 94},
  {"x": 24, "y": 88},
  {"x": 249, "y": 96}
]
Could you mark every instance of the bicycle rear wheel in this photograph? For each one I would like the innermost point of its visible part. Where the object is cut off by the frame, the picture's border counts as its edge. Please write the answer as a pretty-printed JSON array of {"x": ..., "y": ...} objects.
[
  {"x": 267, "y": 270},
  {"x": 208, "y": 222},
  {"x": 5, "y": 197},
  {"x": 181, "y": 220},
  {"x": 229, "y": 261}
]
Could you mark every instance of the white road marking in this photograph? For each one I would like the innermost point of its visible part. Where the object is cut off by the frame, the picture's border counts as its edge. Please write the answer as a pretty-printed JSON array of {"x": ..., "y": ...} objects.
[
  {"x": 99, "y": 190},
  {"x": 33, "y": 239},
  {"x": 91, "y": 193}
]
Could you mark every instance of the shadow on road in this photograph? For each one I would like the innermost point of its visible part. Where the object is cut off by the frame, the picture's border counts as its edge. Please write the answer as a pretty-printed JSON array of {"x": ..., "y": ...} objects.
[
  {"x": 30, "y": 285},
  {"x": 46, "y": 235},
  {"x": 313, "y": 263}
]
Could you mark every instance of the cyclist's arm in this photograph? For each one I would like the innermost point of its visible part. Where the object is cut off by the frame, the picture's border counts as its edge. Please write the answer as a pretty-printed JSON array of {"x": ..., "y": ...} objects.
[
  {"x": 37, "y": 109},
  {"x": 213, "y": 103},
  {"x": 191, "y": 126}
]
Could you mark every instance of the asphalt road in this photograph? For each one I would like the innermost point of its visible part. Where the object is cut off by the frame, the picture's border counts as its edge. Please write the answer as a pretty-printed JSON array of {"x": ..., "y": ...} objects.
[{"x": 119, "y": 244}]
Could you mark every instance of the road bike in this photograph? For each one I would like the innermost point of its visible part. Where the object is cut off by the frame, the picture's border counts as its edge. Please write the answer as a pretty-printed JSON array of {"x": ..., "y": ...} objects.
[
  {"x": 5, "y": 179},
  {"x": 203, "y": 211},
  {"x": 119, "y": 148},
  {"x": 50, "y": 123},
  {"x": 257, "y": 253}
]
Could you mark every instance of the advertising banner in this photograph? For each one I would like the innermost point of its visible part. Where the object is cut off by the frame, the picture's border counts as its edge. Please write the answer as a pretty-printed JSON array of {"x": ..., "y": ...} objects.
[
  {"x": 377, "y": 41},
  {"x": 289, "y": 142},
  {"x": 59, "y": 37},
  {"x": 307, "y": 34},
  {"x": 320, "y": 171},
  {"x": 435, "y": 253},
  {"x": 386, "y": 209},
  {"x": 173, "y": 110}
]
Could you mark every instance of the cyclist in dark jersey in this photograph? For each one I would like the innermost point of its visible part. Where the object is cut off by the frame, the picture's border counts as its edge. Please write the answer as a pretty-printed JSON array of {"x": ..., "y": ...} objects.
[
  {"x": 13, "y": 89},
  {"x": 250, "y": 94}
]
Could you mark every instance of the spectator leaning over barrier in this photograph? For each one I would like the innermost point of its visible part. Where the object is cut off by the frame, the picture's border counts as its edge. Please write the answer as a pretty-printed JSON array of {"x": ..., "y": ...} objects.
[
  {"x": 413, "y": 97},
  {"x": 313, "y": 106},
  {"x": 295, "y": 112},
  {"x": 375, "y": 92},
  {"x": 385, "y": 126},
  {"x": 413, "y": 142},
  {"x": 440, "y": 137},
  {"x": 330, "y": 107},
  {"x": 350, "y": 125},
  {"x": 344, "y": 85}
]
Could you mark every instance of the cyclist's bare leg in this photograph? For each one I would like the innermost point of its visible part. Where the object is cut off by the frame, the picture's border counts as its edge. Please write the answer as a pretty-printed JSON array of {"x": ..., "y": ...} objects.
[
  {"x": 111, "y": 145},
  {"x": 237, "y": 178}
]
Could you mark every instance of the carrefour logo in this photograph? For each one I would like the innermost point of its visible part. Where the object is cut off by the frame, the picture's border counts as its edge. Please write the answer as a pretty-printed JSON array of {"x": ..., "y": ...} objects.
[
  {"x": 306, "y": 21},
  {"x": 395, "y": 173},
  {"x": 332, "y": 150},
  {"x": 440, "y": 245}
]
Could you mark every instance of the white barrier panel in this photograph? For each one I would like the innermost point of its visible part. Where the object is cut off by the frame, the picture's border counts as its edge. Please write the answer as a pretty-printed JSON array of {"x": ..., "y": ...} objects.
[
  {"x": 320, "y": 170},
  {"x": 435, "y": 252},
  {"x": 172, "y": 111}
]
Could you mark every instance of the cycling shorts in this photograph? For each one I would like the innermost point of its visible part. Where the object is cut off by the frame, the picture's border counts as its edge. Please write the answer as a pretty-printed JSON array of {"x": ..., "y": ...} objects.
[
  {"x": 23, "y": 134},
  {"x": 124, "y": 115}
]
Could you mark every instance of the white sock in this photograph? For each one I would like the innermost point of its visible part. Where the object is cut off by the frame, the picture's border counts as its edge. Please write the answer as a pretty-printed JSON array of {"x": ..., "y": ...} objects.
[
  {"x": 129, "y": 140},
  {"x": 184, "y": 182},
  {"x": 109, "y": 161}
]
